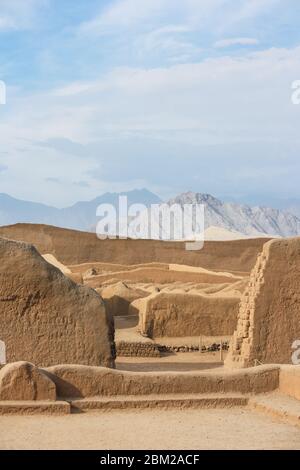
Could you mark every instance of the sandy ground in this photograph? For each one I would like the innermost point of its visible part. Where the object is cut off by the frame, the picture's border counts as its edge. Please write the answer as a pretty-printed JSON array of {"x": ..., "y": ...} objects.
[
  {"x": 149, "y": 429},
  {"x": 171, "y": 362}
]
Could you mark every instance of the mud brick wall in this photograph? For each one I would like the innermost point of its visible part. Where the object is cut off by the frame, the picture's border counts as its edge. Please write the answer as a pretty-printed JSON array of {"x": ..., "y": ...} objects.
[
  {"x": 127, "y": 349},
  {"x": 269, "y": 313}
]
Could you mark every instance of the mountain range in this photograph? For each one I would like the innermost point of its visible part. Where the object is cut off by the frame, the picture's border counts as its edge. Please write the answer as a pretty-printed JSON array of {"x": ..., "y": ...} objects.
[
  {"x": 80, "y": 216},
  {"x": 231, "y": 219},
  {"x": 246, "y": 220}
]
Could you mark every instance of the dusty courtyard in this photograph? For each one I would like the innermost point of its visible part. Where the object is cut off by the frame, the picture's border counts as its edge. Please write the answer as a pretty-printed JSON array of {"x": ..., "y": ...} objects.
[
  {"x": 160, "y": 430},
  {"x": 171, "y": 362}
]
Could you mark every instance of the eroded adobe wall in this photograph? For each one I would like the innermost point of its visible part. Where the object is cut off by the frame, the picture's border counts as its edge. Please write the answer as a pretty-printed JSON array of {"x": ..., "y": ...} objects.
[
  {"x": 178, "y": 315},
  {"x": 82, "y": 381},
  {"x": 46, "y": 318},
  {"x": 269, "y": 314},
  {"x": 73, "y": 247}
]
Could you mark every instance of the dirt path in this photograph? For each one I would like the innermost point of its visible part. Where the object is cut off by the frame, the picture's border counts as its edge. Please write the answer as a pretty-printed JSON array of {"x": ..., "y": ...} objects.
[
  {"x": 170, "y": 430},
  {"x": 171, "y": 362}
]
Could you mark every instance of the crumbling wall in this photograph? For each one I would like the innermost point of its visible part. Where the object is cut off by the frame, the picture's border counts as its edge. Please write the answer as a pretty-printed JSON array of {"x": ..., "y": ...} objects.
[
  {"x": 269, "y": 314},
  {"x": 118, "y": 297},
  {"x": 45, "y": 318},
  {"x": 178, "y": 315}
]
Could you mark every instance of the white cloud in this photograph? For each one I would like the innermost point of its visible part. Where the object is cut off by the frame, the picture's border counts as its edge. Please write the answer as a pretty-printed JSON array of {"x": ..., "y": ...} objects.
[
  {"x": 219, "y": 101},
  {"x": 234, "y": 15},
  {"x": 170, "y": 40},
  {"x": 75, "y": 88},
  {"x": 253, "y": 8},
  {"x": 123, "y": 13},
  {"x": 216, "y": 15},
  {"x": 134, "y": 13},
  {"x": 241, "y": 94},
  {"x": 6, "y": 23},
  {"x": 19, "y": 14},
  {"x": 223, "y": 43},
  {"x": 173, "y": 28},
  {"x": 170, "y": 29}
]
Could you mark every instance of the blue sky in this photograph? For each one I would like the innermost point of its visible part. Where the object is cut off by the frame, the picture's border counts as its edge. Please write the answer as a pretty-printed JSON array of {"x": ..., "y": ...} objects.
[{"x": 111, "y": 95}]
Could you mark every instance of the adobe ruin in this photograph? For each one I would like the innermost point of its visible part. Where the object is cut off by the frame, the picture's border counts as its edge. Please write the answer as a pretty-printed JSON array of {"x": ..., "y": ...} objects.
[
  {"x": 47, "y": 319},
  {"x": 269, "y": 315}
]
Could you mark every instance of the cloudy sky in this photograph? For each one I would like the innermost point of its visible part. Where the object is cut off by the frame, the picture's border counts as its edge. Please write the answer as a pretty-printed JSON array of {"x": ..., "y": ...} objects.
[{"x": 172, "y": 95}]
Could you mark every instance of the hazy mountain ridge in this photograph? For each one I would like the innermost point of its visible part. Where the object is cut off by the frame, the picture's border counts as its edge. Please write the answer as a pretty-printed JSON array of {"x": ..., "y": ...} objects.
[
  {"x": 80, "y": 216},
  {"x": 231, "y": 217},
  {"x": 250, "y": 221}
]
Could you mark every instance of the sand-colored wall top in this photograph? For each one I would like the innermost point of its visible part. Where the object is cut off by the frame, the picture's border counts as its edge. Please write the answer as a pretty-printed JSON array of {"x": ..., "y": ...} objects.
[
  {"x": 269, "y": 315},
  {"x": 162, "y": 276},
  {"x": 45, "y": 318},
  {"x": 81, "y": 381},
  {"x": 72, "y": 247}
]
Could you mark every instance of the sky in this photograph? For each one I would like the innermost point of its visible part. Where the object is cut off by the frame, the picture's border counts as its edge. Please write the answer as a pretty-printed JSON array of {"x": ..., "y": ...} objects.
[{"x": 171, "y": 95}]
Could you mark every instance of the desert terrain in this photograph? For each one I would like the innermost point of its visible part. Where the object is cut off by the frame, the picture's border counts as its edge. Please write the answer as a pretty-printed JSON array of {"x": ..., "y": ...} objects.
[{"x": 190, "y": 346}]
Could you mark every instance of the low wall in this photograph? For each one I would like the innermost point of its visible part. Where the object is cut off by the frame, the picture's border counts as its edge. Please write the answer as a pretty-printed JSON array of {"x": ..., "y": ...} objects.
[
  {"x": 131, "y": 349},
  {"x": 24, "y": 381},
  {"x": 289, "y": 381},
  {"x": 74, "y": 381}
]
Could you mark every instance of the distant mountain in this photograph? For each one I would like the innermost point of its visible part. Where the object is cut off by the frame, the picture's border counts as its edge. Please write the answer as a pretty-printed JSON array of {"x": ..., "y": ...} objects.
[
  {"x": 290, "y": 205},
  {"x": 293, "y": 207},
  {"x": 295, "y": 210},
  {"x": 249, "y": 221},
  {"x": 14, "y": 210},
  {"x": 80, "y": 216},
  {"x": 223, "y": 219}
]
